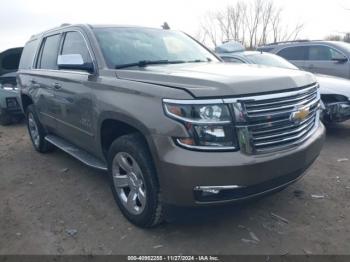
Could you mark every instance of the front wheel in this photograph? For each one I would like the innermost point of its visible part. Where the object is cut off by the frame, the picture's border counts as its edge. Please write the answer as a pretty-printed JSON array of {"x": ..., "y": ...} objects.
[{"x": 134, "y": 181}]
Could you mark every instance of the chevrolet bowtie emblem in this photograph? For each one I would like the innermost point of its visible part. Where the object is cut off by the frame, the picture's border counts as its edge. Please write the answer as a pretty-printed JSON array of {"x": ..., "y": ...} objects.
[{"x": 299, "y": 115}]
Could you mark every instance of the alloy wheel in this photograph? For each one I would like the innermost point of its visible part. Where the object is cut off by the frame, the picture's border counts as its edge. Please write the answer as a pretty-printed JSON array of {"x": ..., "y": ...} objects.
[{"x": 129, "y": 182}]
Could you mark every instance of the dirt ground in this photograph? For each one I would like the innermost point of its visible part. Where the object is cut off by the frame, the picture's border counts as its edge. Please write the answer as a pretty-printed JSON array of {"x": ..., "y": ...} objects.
[{"x": 53, "y": 204}]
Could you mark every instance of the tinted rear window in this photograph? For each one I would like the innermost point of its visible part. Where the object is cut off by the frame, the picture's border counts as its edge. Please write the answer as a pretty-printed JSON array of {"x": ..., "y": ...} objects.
[
  {"x": 28, "y": 54},
  {"x": 294, "y": 53},
  {"x": 48, "y": 54}
]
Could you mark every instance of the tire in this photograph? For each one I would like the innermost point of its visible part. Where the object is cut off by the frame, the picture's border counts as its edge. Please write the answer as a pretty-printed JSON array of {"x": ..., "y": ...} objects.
[
  {"x": 5, "y": 118},
  {"x": 134, "y": 182},
  {"x": 36, "y": 131}
]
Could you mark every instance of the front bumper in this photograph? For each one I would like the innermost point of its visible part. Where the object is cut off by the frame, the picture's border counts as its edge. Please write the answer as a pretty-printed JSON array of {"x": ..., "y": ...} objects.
[{"x": 183, "y": 173}]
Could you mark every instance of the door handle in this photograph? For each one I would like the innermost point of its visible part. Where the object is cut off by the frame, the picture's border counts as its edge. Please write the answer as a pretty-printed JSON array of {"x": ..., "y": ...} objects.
[
  {"x": 56, "y": 85},
  {"x": 32, "y": 81}
]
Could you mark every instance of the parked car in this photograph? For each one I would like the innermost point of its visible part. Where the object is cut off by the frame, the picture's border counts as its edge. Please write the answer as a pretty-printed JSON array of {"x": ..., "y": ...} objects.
[
  {"x": 335, "y": 91},
  {"x": 322, "y": 57},
  {"x": 171, "y": 122},
  {"x": 9, "y": 96}
]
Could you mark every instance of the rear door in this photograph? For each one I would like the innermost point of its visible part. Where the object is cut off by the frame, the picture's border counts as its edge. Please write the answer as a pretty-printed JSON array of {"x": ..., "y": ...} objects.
[
  {"x": 41, "y": 80},
  {"x": 73, "y": 95},
  {"x": 297, "y": 55},
  {"x": 326, "y": 60}
]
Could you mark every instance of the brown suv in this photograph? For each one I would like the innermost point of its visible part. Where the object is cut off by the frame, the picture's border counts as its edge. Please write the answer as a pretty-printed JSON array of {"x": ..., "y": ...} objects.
[{"x": 170, "y": 122}]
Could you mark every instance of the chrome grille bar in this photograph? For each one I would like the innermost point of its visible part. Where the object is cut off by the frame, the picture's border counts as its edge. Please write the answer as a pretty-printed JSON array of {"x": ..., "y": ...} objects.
[{"x": 273, "y": 122}]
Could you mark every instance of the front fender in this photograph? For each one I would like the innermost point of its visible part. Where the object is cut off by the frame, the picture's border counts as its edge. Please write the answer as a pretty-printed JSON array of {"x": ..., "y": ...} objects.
[{"x": 133, "y": 122}]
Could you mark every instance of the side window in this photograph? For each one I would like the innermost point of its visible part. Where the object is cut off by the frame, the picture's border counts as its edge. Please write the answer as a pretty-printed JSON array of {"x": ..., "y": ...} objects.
[
  {"x": 336, "y": 55},
  {"x": 28, "y": 54},
  {"x": 48, "y": 52},
  {"x": 320, "y": 53},
  {"x": 232, "y": 60},
  {"x": 294, "y": 53},
  {"x": 324, "y": 53},
  {"x": 74, "y": 43}
]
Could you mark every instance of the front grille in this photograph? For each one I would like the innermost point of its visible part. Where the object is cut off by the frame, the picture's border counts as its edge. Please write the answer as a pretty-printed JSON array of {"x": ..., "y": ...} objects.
[{"x": 276, "y": 121}]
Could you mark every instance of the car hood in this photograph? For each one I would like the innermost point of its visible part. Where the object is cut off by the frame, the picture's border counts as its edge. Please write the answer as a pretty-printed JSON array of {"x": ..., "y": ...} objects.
[
  {"x": 220, "y": 79},
  {"x": 334, "y": 85}
]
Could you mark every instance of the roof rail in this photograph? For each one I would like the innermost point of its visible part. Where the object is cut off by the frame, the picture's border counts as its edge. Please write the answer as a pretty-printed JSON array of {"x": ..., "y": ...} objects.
[
  {"x": 64, "y": 24},
  {"x": 287, "y": 42}
]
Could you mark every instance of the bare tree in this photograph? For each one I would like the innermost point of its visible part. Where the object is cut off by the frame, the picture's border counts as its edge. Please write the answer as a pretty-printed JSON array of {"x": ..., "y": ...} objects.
[
  {"x": 251, "y": 23},
  {"x": 210, "y": 30},
  {"x": 276, "y": 26},
  {"x": 347, "y": 38},
  {"x": 224, "y": 23},
  {"x": 266, "y": 17},
  {"x": 334, "y": 38},
  {"x": 253, "y": 18}
]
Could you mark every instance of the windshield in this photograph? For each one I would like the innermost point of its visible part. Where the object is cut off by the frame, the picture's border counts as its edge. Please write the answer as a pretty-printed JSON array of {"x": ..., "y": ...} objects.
[
  {"x": 123, "y": 45},
  {"x": 270, "y": 60}
]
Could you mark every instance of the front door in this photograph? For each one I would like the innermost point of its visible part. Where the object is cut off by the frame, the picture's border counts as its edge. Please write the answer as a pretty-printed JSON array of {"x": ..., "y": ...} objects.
[
  {"x": 323, "y": 59},
  {"x": 73, "y": 96}
]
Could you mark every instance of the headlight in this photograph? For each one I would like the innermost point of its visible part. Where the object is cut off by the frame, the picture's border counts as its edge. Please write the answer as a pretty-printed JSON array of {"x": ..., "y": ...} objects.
[{"x": 208, "y": 122}]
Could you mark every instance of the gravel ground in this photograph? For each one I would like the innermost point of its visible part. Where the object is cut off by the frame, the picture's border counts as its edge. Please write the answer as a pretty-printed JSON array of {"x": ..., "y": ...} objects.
[{"x": 53, "y": 204}]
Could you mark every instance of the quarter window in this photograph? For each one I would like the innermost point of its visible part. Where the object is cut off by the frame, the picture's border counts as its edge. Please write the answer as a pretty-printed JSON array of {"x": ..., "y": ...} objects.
[
  {"x": 74, "y": 43},
  {"x": 294, "y": 53},
  {"x": 28, "y": 54},
  {"x": 48, "y": 54}
]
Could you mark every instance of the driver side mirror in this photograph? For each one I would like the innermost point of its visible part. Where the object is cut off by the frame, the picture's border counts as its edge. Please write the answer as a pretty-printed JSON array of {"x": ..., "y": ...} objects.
[{"x": 74, "y": 62}]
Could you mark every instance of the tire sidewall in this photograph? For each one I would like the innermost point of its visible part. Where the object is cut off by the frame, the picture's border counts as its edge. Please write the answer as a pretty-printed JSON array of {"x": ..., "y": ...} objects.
[
  {"x": 40, "y": 147},
  {"x": 137, "y": 150}
]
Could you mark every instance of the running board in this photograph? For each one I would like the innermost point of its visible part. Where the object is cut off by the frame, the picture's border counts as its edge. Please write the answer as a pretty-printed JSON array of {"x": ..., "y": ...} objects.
[{"x": 76, "y": 152}]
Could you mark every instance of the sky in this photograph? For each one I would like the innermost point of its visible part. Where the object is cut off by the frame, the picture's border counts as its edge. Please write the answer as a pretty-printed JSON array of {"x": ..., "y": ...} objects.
[{"x": 19, "y": 19}]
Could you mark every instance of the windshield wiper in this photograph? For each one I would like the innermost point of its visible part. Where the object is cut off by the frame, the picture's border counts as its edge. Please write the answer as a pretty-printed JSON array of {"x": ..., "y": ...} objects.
[
  {"x": 144, "y": 63},
  {"x": 199, "y": 60}
]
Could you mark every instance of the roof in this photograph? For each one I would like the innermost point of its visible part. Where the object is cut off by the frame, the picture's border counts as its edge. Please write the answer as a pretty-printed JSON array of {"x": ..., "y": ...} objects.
[
  {"x": 296, "y": 43},
  {"x": 229, "y": 47},
  {"x": 66, "y": 25},
  {"x": 239, "y": 54},
  {"x": 121, "y": 26}
]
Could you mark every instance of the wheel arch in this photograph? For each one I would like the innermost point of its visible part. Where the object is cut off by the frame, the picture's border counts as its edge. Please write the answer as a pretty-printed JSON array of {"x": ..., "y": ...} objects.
[
  {"x": 113, "y": 125},
  {"x": 26, "y": 100}
]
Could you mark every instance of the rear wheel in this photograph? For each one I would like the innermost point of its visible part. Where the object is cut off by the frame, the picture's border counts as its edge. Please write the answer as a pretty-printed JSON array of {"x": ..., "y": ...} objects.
[
  {"x": 134, "y": 182},
  {"x": 37, "y": 132}
]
